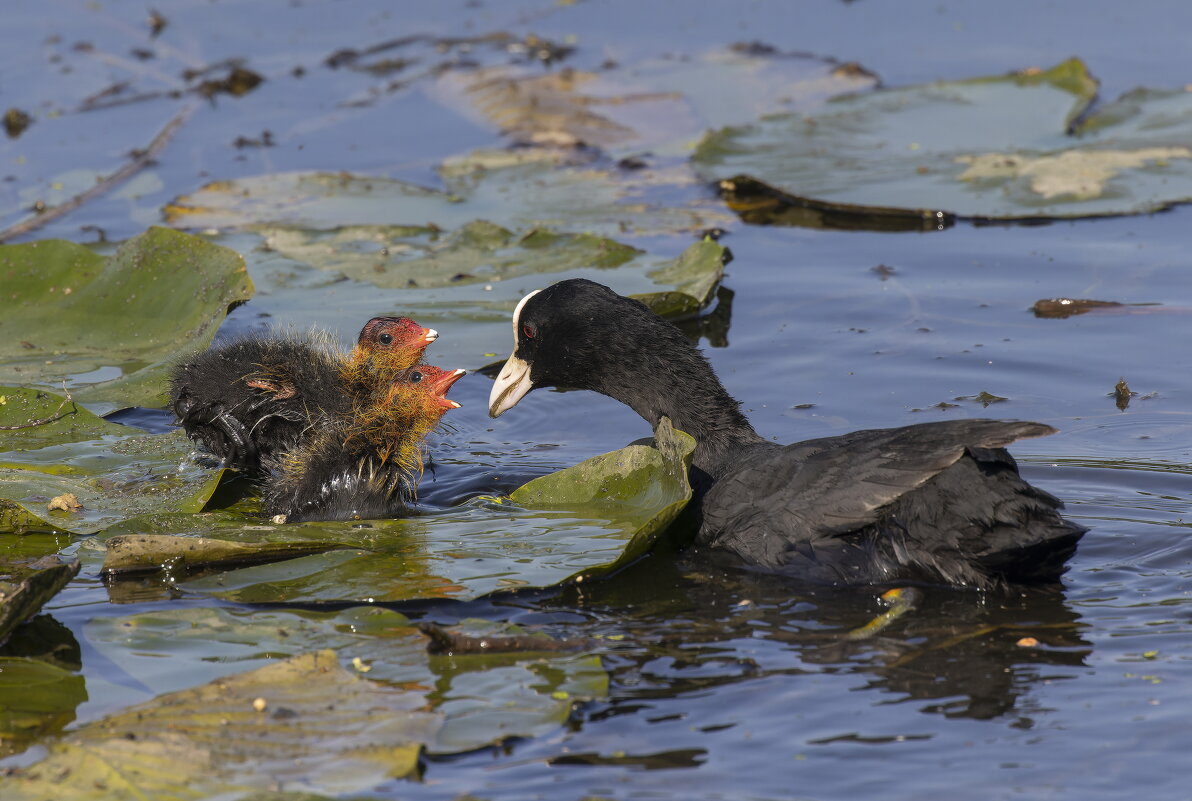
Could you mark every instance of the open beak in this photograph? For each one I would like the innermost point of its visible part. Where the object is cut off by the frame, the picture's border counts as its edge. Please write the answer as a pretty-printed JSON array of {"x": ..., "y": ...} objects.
[
  {"x": 511, "y": 386},
  {"x": 442, "y": 384}
]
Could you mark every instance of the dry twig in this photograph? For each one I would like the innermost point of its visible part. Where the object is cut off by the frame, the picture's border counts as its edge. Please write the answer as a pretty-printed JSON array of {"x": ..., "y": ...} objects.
[{"x": 57, "y": 415}]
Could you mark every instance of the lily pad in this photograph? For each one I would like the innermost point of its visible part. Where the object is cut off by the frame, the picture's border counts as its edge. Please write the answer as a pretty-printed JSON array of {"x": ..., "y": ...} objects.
[
  {"x": 660, "y": 104},
  {"x": 477, "y": 252},
  {"x": 462, "y": 275},
  {"x": 273, "y": 725},
  {"x": 26, "y": 587},
  {"x": 111, "y": 326},
  {"x": 36, "y": 419},
  {"x": 695, "y": 275},
  {"x": 112, "y": 478},
  {"x": 1018, "y": 146},
  {"x": 484, "y": 698},
  {"x": 313, "y": 200},
  {"x": 582, "y": 522},
  {"x": 522, "y": 189}
]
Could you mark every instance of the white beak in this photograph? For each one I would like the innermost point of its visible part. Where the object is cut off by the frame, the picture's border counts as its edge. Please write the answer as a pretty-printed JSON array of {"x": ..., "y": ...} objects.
[{"x": 511, "y": 386}]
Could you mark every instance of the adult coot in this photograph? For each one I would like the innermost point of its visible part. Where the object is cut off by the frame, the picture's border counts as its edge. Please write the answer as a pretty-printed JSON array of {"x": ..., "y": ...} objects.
[
  {"x": 935, "y": 502},
  {"x": 253, "y": 399},
  {"x": 365, "y": 463}
]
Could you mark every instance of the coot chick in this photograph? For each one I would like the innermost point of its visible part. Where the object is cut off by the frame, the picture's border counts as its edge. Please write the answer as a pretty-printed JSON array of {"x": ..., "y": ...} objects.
[
  {"x": 366, "y": 463},
  {"x": 935, "y": 502},
  {"x": 253, "y": 399}
]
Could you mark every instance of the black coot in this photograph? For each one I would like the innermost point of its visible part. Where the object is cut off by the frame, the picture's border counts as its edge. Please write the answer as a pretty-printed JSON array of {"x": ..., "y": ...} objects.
[{"x": 936, "y": 502}]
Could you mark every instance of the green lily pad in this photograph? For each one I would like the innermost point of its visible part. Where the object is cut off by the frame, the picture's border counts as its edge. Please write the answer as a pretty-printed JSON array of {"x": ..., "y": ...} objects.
[
  {"x": 37, "y": 699},
  {"x": 466, "y": 280},
  {"x": 253, "y": 730},
  {"x": 695, "y": 275},
  {"x": 112, "y": 478},
  {"x": 1006, "y": 147},
  {"x": 111, "y": 326},
  {"x": 35, "y": 412},
  {"x": 483, "y": 698},
  {"x": 582, "y": 522}
]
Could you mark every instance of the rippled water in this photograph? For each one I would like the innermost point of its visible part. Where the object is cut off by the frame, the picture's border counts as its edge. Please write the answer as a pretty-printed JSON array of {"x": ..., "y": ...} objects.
[{"x": 739, "y": 686}]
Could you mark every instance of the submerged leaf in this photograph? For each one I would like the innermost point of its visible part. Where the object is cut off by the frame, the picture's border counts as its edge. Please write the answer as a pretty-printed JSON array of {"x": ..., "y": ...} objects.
[
  {"x": 113, "y": 325},
  {"x": 303, "y": 721},
  {"x": 316, "y": 200},
  {"x": 483, "y": 697},
  {"x": 112, "y": 478},
  {"x": 1008, "y": 147},
  {"x": 660, "y": 105},
  {"x": 36, "y": 699}
]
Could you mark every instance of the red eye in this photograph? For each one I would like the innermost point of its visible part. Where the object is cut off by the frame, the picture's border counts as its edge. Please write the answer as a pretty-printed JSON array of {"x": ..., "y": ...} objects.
[{"x": 528, "y": 331}]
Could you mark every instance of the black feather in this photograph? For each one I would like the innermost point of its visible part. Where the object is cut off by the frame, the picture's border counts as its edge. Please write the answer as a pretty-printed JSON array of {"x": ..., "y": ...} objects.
[{"x": 937, "y": 502}]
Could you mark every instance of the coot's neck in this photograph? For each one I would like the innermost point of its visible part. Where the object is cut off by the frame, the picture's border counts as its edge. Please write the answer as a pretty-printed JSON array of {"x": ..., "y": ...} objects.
[{"x": 684, "y": 388}]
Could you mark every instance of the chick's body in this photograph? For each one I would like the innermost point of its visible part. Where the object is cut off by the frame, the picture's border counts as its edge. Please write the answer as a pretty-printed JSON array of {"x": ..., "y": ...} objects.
[
  {"x": 251, "y": 401},
  {"x": 364, "y": 464}
]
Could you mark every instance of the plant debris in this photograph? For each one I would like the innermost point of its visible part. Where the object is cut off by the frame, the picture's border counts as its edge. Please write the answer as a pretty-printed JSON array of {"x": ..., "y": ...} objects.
[
  {"x": 15, "y": 122},
  {"x": 1061, "y": 308}
]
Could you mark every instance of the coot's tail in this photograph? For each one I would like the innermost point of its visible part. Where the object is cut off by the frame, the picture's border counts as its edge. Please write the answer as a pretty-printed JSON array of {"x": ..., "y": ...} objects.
[{"x": 996, "y": 527}]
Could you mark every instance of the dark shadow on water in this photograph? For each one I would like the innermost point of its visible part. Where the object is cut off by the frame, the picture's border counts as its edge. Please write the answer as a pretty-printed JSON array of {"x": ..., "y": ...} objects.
[
  {"x": 958, "y": 653},
  {"x": 714, "y": 325}
]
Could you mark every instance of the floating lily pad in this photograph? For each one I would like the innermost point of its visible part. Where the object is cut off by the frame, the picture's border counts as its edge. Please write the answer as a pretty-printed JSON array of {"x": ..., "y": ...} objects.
[
  {"x": 35, "y": 412},
  {"x": 484, "y": 698},
  {"x": 112, "y": 325},
  {"x": 322, "y": 200},
  {"x": 1009, "y": 147},
  {"x": 582, "y": 191},
  {"x": 111, "y": 478},
  {"x": 585, "y": 521},
  {"x": 26, "y": 587},
  {"x": 477, "y": 252},
  {"x": 524, "y": 189},
  {"x": 464, "y": 275},
  {"x": 304, "y": 722},
  {"x": 695, "y": 275},
  {"x": 661, "y": 104}
]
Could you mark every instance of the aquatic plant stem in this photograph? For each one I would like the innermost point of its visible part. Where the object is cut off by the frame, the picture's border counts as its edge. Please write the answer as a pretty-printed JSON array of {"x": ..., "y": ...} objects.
[{"x": 140, "y": 160}]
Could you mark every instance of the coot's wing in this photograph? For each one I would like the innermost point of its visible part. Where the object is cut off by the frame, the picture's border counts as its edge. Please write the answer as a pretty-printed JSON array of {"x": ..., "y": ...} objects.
[{"x": 777, "y": 498}]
